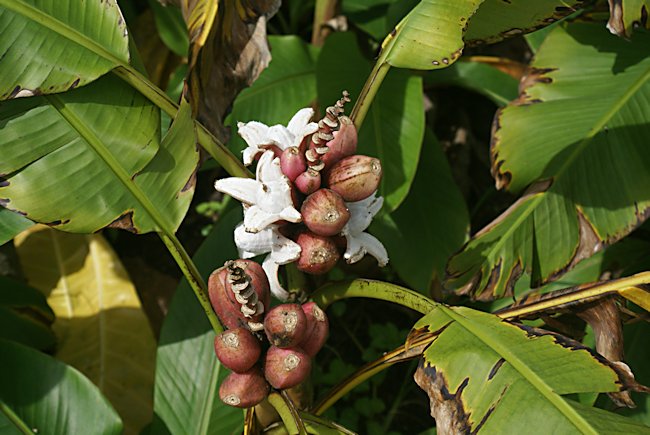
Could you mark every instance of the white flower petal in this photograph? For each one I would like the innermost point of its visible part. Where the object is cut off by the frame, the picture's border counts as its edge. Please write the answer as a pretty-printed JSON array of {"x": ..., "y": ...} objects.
[
  {"x": 360, "y": 244},
  {"x": 271, "y": 268},
  {"x": 300, "y": 120},
  {"x": 361, "y": 214},
  {"x": 268, "y": 168},
  {"x": 256, "y": 219},
  {"x": 253, "y": 244},
  {"x": 255, "y": 134},
  {"x": 248, "y": 155},
  {"x": 242, "y": 189},
  {"x": 290, "y": 214},
  {"x": 284, "y": 250},
  {"x": 280, "y": 136}
]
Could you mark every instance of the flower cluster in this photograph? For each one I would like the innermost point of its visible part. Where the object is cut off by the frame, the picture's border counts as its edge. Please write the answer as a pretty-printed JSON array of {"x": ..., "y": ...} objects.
[{"x": 307, "y": 175}]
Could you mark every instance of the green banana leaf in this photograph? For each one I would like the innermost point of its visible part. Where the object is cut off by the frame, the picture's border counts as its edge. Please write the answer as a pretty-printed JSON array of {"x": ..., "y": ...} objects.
[
  {"x": 577, "y": 136},
  {"x": 430, "y": 36},
  {"x": 188, "y": 373},
  {"x": 39, "y": 394},
  {"x": 433, "y": 229},
  {"x": 11, "y": 223},
  {"x": 91, "y": 158},
  {"x": 25, "y": 316},
  {"x": 394, "y": 127},
  {"x": 496, "y": 20},
  {"x": 51, "y": 46},
  {"x": 485, "y": 374}
]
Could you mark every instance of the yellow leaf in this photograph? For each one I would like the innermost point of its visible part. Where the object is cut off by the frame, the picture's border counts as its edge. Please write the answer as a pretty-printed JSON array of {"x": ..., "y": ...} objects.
[
  {"x": 637, "y": 295},
  {"x": 100, "y": 325}
]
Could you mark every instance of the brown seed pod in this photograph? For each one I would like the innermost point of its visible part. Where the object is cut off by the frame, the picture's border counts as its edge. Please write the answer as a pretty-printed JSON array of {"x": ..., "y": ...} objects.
[
  {"x": 344, "y": 143},
  {"x": 355, "y": 177},
  {"x": 324, "y": 212},
  {"x": 318, "y": 254},
  {"x": 237, "y": 349},
  {"x": 239, "y": 292},
  {"x": 293, "y": 163},
  {"x": 244, "y": 390},
  {"x": 317, "y": 331},
  {"x": 286, "y": 368},
  {"x": 308, "y": 182},
  {"x": 285, "y": 325}
]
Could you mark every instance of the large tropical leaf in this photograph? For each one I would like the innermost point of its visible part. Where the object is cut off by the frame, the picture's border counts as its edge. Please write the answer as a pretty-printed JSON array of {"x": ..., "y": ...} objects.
[
  {"x": 430, "y": 36},
  {"x": 432, "y": 229},
  {"x": 39, "y": 394},
  {"x": 288, "y": 84},
  {"x": 25, "y": 316},
  {"x": 625, "y": 15},
  {"x": 578, "y": 136},
  {"x": 186, "y": 395},
  {"x": 483, "y": 373},
  {"x": 54, "y": 45},
  {"x": 394, "y": 126},
  {"x": 11, "y": 223},
  {"x": 91, "y": 158},
  {"x": 101, "y": 327},
  {"x": 497, "y": 19}
]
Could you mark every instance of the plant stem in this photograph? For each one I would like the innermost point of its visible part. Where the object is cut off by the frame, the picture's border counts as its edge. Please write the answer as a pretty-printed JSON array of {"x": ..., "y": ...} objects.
[
  {"x": 12, "y": 417},
  {"x": 366, "y": 288},
  {"x": 370, "y": 89},
  {"x": 216, "y": 149},
  {"x": 288, "y": 413},
  {"x": 193, "y": 277},
  {"x": 323, "y": 12}
]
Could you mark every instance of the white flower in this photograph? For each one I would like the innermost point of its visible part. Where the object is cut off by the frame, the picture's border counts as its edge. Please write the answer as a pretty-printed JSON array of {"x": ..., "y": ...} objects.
[
  {"x": 360, "y": 243},
  {"x": 267, "y": 199},
  {"x": 282, "y": 251},
  {"x": 258, "y": 135}
]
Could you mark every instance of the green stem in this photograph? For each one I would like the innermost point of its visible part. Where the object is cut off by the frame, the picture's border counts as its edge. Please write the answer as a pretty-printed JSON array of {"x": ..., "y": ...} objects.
[
  {"x": 193, "y": 277},
  {"x": 370, "y": 89},
  {"x": 366, "y": 288},
  {"x": 13, "y": 417},
  {"x": 324, "y": 10},
  {"x": 288, "y": 413}
]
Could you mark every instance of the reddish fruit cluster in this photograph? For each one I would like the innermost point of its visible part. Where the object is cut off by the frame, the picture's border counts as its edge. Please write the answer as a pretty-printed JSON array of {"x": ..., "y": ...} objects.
[
  {"x": 326, "y": 169},
  {"x": 239, "y": 293}
]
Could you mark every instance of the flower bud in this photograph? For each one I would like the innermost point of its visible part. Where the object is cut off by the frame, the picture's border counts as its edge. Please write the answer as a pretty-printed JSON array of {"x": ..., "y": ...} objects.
[
  {"x": 355, "y": 177},
  {"x": 324, "y": 212},
  {"x": 244, "y": 390},
  {"x": 317, "y": 331},
  {"x": 344, "y": 143},
  {"x": 237, "y": 349},
  {"x": 318, "y": 253},
  {"x": 308, "y": 182},
  {"x": 239, "y": 293},
  {"x": 286, "y": 368},
  {"x": 285, "y": 325},
  {"x": 293, "y": 163}
]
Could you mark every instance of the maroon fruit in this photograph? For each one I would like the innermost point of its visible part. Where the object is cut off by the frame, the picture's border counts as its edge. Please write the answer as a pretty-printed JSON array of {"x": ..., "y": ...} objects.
[
  {"x": 244, "y": 390},
  {"x": 237, "y": 349},
  {"x": 344, "y": 143},
  {"x": 293, "y": 163},
  {"x": 286, "y": 368},
  {"x": 239, "y": 292},
  {"x": 317, "y": 330},
  {"x": 285, "y": 325},
  {"x": 355, "y": 177},
  {"x": 324, "y": 212},
  {"x": 318, "y": 254},
  {"x": 308, "y": 182}
]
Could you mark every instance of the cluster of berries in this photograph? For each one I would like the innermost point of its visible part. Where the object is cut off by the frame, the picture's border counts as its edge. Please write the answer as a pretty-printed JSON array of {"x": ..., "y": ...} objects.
[{"x": 282, "y": 341}]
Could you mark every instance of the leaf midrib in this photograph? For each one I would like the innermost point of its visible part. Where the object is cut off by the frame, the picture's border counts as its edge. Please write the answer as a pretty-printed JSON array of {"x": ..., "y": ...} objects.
[
  {"x": 524, "y": 370},
  {"x": 102, "y": 152},
  {"x": 57, "y": 26},
  {"x": 206, "y": 408}
]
